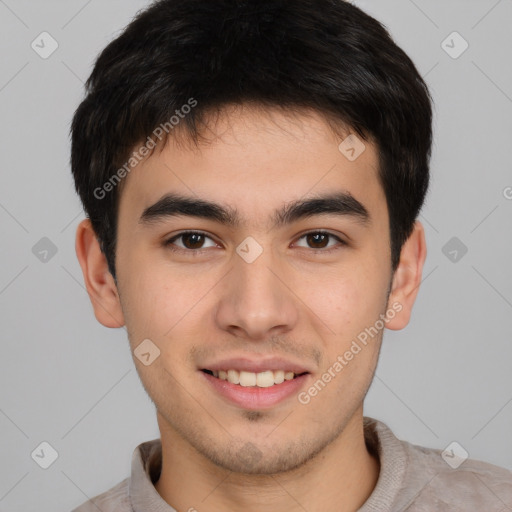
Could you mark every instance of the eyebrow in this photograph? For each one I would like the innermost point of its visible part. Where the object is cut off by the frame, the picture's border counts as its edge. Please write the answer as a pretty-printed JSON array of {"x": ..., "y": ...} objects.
[{"x": 173, "y": 205}]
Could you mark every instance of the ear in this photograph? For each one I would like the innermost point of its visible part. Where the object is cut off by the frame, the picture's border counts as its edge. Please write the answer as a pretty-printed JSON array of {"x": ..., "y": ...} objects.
[
  {"x": 99, "y": 282},
  {"x": 407, "y": 277}
]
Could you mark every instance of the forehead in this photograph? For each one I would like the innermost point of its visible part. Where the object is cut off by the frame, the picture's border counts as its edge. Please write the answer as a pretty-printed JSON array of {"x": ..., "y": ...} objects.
[{"x": 251, "y": 158}]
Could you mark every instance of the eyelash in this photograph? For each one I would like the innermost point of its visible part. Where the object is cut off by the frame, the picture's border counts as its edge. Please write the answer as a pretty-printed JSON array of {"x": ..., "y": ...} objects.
[{"x": 169, "y": 243}]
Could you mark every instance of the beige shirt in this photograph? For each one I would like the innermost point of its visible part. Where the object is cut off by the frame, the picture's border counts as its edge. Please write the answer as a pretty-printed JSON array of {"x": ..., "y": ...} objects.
[{"x": 412, "y": 479}]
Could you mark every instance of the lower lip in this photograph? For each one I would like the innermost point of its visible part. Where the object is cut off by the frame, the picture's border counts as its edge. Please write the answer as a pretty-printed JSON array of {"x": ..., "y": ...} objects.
[{"x": 253, "y": 397}]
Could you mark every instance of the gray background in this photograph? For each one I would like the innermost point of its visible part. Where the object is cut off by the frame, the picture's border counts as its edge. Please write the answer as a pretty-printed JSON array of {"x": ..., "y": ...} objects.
[{"x": 71, "y": 382}]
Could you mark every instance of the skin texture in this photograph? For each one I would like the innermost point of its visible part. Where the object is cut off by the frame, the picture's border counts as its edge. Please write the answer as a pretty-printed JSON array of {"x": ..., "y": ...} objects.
[{"x": 292, "y": 301}]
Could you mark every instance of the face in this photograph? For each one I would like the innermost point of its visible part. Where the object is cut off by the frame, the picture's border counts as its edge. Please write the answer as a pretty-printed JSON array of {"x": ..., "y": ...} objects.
[{"x": 269, "y": 290}]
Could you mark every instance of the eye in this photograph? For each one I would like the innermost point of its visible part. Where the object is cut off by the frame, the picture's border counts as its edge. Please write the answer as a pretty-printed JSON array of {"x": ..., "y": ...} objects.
[
  {"x": 319, "y": 239},
  {"x": 193, "y": 241}
]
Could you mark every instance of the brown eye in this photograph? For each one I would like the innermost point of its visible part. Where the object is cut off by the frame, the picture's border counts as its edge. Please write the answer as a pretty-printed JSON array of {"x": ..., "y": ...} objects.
[
  {"x": 319, "y": 240},
  {"x": 191, "y": 241}
]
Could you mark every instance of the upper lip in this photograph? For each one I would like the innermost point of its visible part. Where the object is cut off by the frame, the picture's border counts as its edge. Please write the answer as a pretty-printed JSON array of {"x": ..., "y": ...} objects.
[{"x": 256, "y": 365}]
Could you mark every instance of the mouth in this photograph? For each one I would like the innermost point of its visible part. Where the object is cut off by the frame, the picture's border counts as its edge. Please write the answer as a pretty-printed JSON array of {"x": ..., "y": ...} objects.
[
  {"x": 246, "y": 379},
  {"x": 255, "y": 390}
]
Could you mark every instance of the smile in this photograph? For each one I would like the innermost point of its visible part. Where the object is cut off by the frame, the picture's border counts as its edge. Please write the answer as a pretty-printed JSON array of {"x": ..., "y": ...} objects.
[
  {"x": 255, "y": 390},
  {"x": 265, "y": 379}
]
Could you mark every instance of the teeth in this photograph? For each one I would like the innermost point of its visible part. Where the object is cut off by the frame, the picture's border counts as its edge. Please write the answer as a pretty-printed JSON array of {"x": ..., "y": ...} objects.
[
  {"x": 247, "y": 379},
  {"x": 264, "y": 379},
  {"x": 279, "y": 376},
  {"x": 233, "y": 376}
]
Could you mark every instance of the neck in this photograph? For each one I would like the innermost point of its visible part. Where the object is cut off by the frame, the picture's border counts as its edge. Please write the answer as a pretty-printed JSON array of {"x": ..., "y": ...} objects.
[{"x": 338, "y": 479}]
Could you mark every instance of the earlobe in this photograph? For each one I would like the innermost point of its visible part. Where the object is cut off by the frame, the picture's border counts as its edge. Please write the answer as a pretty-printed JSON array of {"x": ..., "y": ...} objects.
[
  {"x": 407, "y": 277},
  {"x": 98, "y": 280}
]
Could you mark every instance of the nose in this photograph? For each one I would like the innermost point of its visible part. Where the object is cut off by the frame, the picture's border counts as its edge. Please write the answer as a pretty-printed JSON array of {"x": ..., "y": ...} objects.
[{"x": 257, "y": 301}]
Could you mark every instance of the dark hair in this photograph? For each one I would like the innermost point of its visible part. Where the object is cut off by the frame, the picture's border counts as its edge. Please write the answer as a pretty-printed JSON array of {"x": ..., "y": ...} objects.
[{"x": 326, "y": 55}]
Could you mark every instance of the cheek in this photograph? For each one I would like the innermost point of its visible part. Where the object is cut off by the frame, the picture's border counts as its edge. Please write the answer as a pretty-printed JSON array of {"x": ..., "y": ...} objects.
[
  {"x": 160, "y": 302},
  {"x": 348, "y": 301},
  {"x": 143, "y": 294}
]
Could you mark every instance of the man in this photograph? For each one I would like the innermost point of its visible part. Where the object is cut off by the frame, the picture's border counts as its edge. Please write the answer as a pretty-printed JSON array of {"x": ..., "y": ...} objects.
[{"x": 252, "y": 173}]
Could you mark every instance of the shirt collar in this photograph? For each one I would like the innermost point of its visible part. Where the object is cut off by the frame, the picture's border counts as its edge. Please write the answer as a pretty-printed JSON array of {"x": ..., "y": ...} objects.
[
  {"x": 146, "y": 467},
  {"x": 392, "y": 456}
]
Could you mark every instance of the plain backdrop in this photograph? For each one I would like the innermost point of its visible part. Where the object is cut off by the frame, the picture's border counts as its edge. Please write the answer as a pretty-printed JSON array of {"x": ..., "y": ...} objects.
[{"x": 68, "y": 381}]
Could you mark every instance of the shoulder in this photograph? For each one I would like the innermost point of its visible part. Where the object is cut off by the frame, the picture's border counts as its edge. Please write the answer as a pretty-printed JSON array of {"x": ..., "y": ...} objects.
[
  {"x": 115, "y": 499},
  {"x": 444, "y": 481},
  {"x": 415, "y": 478},
  {"x": 138, "y": 487}
]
